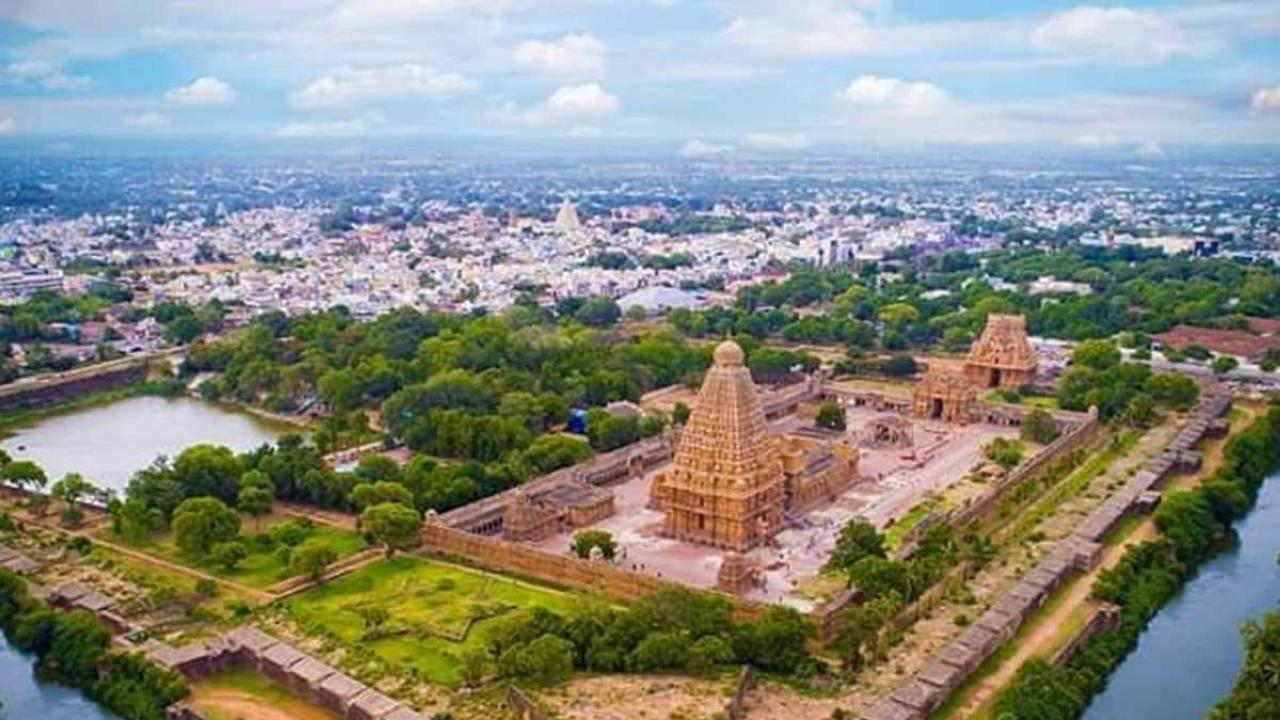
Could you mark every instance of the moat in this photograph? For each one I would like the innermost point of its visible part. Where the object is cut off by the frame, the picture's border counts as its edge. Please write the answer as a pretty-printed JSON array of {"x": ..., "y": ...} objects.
[
  {"x": 26, "y": 697},
  {"x": 1192, "y": 650},
  {"x": 107, "y": 444}
]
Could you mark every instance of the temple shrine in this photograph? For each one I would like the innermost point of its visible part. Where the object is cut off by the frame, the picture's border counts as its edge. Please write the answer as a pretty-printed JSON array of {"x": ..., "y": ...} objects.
[{"x": 1002, "y": 357}]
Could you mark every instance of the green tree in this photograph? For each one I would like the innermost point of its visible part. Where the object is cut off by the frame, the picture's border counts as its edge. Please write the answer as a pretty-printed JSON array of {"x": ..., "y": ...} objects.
[
  {"x": 858, "y": 539},
  {"x": 367, "y": 494},
  {"x": 202, "y": 522},
  {"x": 680, "y": 413},
  {"x": 210, "y": 470},
  {"x": 1224, "y": 364},
  {"x": 24, "y": 475},
  {"x": 1005, "y": 452},
  {"x": 311, "y": 558},
  {"x": 584, "y": 541},
  {"x": 830, "y": 415},
  {"x": 1039, "y": 427},
  {"x": 393, "y": 525},
  {"x": 70, "y": 490},
  {"x": 228, "y": 554},
  {"x": 1096, "y": 355}
]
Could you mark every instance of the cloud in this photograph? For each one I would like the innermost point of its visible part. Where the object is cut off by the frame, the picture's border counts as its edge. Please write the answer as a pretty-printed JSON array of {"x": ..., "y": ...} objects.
[
  {"x": 202, "y": 91},
  {"x": 894, "y": 94},
  {"x": 326, "y": 129},
  {"x": 146, "y": 120},
  {"x": 1117, "y": 34},
  {"x": 570, "y": 105},
  {"x": 1150, "y": 150},
  {"x": 40, "y": 72},
  {"x": 572, "y": 56},
  {"x": 1095, "y": 141},
  {"x": 804, "y": 29},
  {"x": 1266, "y": 99},
  {"x": 700, "y": 150},
  {"x": 776, "y": 141},
  {"x": 7, "y": 125},
  {"x": 350, "y": 85}
]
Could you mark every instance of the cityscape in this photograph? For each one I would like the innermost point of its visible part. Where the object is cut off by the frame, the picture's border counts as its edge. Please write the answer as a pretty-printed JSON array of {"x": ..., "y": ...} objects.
[{"x": 652, "y": 360}]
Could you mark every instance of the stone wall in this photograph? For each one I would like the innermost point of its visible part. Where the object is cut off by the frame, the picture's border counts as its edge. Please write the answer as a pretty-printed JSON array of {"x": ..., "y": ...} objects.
[
  {"x": 523, "y": 706},
  {"x": 51, "y": 390},
  {"x": 560, "y": 570}
]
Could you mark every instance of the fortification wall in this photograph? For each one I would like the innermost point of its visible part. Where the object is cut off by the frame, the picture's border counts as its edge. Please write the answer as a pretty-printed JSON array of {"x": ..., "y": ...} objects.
[{"x": 44, "y": 391}]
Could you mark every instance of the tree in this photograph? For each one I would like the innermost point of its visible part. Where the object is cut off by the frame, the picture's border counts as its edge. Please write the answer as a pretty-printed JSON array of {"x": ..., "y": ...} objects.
[
  {"x": 598, "y": 312},
  {"x": 70, "y": 489},
  {"x": 858, "y": 539},
  {"x": 1039, "y": 427},
  {"x": 1096, "y": 355},
  {"x": 311, "y": 558},
  {"x": 899, "y": 365},
  {"x": 546, "y": 660},
  {"x": 367, "y": 494},
  {"x": 208, "y": 470},
  {"x": 830, "y": 415},
  {"x": 202, "y": 522},
  {"x": 257, "y": 493},
  {"x": 25, "y": 475},
  {"x": 1140, "y": 412},
  {"x": 680, "y": 413},
  {"x": 228, "y": 554},
  {"x": 393, "y": 525},
  {"x": 1224, "y": 364},
  {"x": 586, "y": 540},
  {"x": 1004, "y": 452},
  {"x": 133, "y": 520}
]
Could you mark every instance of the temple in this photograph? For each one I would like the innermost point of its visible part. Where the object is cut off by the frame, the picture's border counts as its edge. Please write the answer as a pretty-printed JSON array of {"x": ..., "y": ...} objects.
[
  {"x": 726, "y": 488},
  {"x": 1002, "y": 356},
  {"x": 944, "y": 394},
  {"x": 733, "y": 481}
]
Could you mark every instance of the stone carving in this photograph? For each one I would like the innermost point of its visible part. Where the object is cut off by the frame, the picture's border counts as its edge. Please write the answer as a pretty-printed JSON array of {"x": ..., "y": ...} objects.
[
  {"x": 726, "y": 488},
  {"x": 1002, "y": 357},
  {"x": 888, "y": 431},
  {"x": 738, "y": 574}
]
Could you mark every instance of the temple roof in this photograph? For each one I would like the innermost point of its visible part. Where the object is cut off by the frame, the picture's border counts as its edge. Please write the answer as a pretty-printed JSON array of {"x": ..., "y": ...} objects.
[{"x": 1003, "y": 344}]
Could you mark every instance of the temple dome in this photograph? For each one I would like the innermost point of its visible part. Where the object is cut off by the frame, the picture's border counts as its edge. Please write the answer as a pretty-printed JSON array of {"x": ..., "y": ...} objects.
[{"x": 729, "y": 354}]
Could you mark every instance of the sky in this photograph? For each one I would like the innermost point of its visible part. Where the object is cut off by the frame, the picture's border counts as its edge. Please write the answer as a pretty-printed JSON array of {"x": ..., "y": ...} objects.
[{"x": 704, "y": 78}]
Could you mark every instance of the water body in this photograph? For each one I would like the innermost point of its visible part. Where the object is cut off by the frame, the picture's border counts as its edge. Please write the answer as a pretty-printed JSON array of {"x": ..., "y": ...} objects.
[
  {"x": 1190, "y": 654},
  {"x": 25, "y": 697},
  {"x": 108, "y": 444}
]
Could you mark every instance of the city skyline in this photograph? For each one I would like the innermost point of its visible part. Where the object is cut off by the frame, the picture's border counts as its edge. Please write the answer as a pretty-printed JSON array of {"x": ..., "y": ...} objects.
[{"x": 697, "y": 80}]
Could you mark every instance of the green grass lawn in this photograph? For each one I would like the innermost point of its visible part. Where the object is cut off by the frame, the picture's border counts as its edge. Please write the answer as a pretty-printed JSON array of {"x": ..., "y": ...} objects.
[
  {"x": 229, "y": 695},
  {"x": 897, "y": 532},
  {"x": 261, "y": 568},
  {"x": 424, "y": 599}
]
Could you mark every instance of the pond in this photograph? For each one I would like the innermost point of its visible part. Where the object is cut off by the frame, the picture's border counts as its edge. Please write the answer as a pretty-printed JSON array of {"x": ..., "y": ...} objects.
[
  {"x": 107, "y": 444},
  {"x": 26, "y": 697},
  {"x": 1188, "y": 658}
]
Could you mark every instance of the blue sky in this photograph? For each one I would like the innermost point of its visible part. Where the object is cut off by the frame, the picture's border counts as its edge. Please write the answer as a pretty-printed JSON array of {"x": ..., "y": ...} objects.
[{"x": 707, "y": 78}]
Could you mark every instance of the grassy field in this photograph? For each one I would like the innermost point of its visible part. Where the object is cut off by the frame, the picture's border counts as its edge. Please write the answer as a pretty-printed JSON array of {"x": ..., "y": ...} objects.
[
  {"x": 243, "y": 694},
  {"x": 262, "y": 568},
  {"x": 427, "y": 603}
]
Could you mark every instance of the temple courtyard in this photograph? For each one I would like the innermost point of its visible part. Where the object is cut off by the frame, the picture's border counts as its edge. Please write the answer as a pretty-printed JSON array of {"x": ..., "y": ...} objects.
[{"x": 892, "y": 480}]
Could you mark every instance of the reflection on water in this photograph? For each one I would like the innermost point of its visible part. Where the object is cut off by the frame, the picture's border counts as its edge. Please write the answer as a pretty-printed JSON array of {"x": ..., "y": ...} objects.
[
  {"x": 1189, "y": 656},
  {"x": 108, "y": 444},
  {"x": 27, "y": 699}
]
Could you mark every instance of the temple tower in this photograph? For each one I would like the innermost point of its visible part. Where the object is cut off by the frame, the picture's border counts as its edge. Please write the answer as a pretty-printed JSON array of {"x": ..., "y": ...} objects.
[
  {"x": 726, "y": 488},
  {"x": 1002, "y": 357}
]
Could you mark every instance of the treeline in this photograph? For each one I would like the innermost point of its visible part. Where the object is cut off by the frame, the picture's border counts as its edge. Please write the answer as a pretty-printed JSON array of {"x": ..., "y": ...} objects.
[
  {"x": 1193, "y": 526},
  {"x": 1256, "y": 695},
  {"x": 74, "y": 649},
  {"x": 1128, "y": 392},
  {"x": 942, "y": 301},
  {"x": 672, "y": 630}
]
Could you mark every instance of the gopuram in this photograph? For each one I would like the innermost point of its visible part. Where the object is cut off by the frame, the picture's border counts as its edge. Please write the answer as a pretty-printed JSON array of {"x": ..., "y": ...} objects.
[
  {"x": 726, "y": 488},
  {"x": 1002, "y": 356},
  {"x": 733, "y": 481}
]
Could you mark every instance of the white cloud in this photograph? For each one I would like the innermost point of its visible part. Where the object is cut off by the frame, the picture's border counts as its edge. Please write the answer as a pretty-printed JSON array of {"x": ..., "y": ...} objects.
[
  {"x": 202, "y": 91},
  {"x": 1266, "y": 99},
  {"x": 1150, "y": 150},
  {"x": 1117, "y": 34},
  {"x": 350, "y": 85},
  {"x": 327, "y": 129},
  {"x": 572, "y": 56},
  {"x": 7, "y": 125},
  {"x": 1094, "y": 141},
  {"x": 43, "y": 73},
  {"x": 802, "y": 29},
  {"x": 776, "y": 141},
  {"x": 146, "y": 120},
  {"x": 700, "y": 149},
  {"x": 894, "y": 94},
  {"x": 570, "y": 105}
]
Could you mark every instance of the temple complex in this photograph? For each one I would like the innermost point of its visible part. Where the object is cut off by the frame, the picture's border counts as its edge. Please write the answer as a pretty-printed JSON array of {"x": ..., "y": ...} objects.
[
  {"x": 726, "y": 488},
  {"x": 1002, "y": 356},
  {"x": 564, "y": 507}
]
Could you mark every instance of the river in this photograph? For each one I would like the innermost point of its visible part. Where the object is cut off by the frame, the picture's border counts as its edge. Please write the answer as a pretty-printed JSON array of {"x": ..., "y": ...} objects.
[
  {"x": 25, "y": 697},
  {"x": 107, "y": 444},
  {"x": 1189, "y": 656}
]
